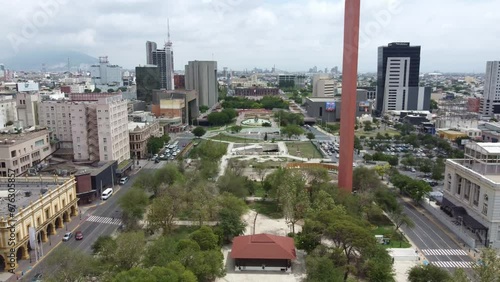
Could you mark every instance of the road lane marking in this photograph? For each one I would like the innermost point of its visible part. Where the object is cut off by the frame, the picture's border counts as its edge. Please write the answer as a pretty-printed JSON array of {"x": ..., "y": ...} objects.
[
  {"x": 444, "y": 252},
  {"x": 106, "y": 220},
  {"x": 453, "y": 264}
]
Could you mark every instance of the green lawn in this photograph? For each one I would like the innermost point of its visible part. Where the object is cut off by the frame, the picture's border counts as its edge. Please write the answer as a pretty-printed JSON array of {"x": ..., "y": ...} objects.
[
  {"x": 303, "y": 150},
  {"x": 387, "y": 231},
  {"x": 373, "y": 133},
  {"x": 230, "y": 138},
  {"x": 269, "y": 209}
]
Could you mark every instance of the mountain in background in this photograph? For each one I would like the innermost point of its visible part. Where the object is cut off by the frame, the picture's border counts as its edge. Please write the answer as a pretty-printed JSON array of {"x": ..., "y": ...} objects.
[{"x": 54, "y": 60}]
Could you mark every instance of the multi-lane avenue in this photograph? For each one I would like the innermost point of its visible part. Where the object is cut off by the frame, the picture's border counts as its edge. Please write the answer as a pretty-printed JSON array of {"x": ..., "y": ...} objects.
[{"x": 435, "y": 244}]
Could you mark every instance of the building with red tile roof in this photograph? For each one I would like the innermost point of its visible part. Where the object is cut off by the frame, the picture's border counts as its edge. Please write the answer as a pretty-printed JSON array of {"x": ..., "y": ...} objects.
[{"x": 263, "y": 252}]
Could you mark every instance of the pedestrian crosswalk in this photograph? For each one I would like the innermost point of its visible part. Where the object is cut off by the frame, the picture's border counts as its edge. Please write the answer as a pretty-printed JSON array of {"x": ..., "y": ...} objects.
[
  {"x": 453, "y": 264},
  {"x": 107, "y": 220},
  {"x": 444, "y": 252}
]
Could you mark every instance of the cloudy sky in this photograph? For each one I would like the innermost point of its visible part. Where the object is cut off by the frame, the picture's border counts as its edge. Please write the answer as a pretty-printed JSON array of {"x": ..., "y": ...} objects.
[{"x": 294, "y": 35}]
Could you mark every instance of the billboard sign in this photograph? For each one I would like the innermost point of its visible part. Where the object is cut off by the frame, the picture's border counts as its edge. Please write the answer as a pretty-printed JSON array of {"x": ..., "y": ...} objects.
[
  {"x": 364, "y": 106},
  {"x": 330, "y": 107},
  {"x": 27, "y": 86}
]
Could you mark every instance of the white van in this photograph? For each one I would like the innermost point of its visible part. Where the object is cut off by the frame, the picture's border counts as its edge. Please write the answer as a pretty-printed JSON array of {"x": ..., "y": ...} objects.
[{"x": 107, "y": 193}]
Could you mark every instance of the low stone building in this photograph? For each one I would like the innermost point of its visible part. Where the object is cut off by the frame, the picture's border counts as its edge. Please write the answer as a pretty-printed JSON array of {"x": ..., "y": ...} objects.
[{"x": 42, "y": 203}]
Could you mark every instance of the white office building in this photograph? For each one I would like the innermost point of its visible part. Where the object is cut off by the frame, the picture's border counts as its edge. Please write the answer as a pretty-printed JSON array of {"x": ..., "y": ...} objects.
[
  {"x": 472, "y": 192},
  {"x": 8, "y": 110},
  {"x": 106, "y": 76},
  {"x": 490, "y": 103}
]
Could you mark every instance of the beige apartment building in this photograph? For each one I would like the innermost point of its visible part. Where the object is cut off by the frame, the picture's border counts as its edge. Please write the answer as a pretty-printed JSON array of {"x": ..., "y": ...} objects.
[
  {"x": 44, "y": 203},
  {"x": 140, "y": 132},
  {"x": 93, "y": 125},
  {"x": 27, "y": 109},
  {"x": 21, "y": 151}
]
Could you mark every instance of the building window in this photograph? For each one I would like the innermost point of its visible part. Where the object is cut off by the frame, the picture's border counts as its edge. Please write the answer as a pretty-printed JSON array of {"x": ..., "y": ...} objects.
[
  {"x": 475, "y": 198},
  {"x": 485, "y": 204}
]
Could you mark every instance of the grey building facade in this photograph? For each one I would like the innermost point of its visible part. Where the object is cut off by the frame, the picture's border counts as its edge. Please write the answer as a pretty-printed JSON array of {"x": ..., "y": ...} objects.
[
  {"x": 202, "y": 77},
  {"x": 328, "y": 109}
]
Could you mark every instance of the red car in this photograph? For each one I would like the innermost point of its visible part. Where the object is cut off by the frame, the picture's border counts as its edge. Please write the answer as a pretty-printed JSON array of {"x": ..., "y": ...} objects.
[{"x": 78, "y": 235}]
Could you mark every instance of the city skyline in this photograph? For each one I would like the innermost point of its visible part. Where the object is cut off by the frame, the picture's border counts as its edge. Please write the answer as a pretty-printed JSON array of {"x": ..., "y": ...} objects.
[{"x": 293, "y": 35}]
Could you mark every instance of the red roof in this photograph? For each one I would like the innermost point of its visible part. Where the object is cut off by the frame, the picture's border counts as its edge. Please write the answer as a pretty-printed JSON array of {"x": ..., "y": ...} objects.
[{"x": 263, "y": 246}]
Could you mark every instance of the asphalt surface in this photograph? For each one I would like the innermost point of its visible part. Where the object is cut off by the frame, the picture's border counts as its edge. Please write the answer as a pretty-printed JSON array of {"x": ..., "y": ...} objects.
[
  {"x": 101, "y": 220},
  {"x": 432, "y": 241}
]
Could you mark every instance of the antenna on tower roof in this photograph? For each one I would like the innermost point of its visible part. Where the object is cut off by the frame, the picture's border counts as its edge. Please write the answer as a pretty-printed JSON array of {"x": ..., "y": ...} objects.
[{"x": 168, "y": 29}]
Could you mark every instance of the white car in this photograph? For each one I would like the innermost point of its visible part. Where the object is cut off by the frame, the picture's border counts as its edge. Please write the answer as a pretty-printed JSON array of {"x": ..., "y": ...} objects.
[
  {"x": 155, "y": 156},
  {"x": 67, "y": 236}
]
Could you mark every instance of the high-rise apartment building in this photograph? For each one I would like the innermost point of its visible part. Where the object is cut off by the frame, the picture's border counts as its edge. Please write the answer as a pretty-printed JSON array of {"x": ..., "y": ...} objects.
[
  {"x": 27, "y": 109},
  {"x": 164, "y": 60},
  {"x": 105, "y": 75},
  {"x": 147, "y": 79},
  {"x": 490, "y": 103},
  {"x": 150, "y": 48},
  {"x": 93, "y": 125},
  {"x": 398, "y": 79},
  {"x": 2, "y": 72},
  {"x": 202, "y": 77}
]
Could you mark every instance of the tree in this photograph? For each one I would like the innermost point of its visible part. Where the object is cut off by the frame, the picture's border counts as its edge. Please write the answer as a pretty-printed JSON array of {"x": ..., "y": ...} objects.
[
  {"x": 382, "y": 170},
  {"x": 199, "y": 131},
  {"x": 434, "y": 105},
  {"x": 133, "y": 204},
  {"x": 417, "y": 189},
  {"x": 87, "y": 91},
  {"x": 365, "y": 179},
  {"x": 203, "y": 108},
  {"x": 154, "y": 145},
  {"x": 320, "y": 268},
  {"x": 100, "y": 244},
  {"x": 205, "y": 238},
  {"x": 97, "y": 90},
  {"x": 165, "y": 208},
  {"x": 400, "y": 218},
  {"x": 134, "y": 274},
  {"x": 218, "y": 118},
  {"x": 459, "y": 276},
  {"x": 488, "y": 267},
  {"x": 66, "y": 264},
  {"x": 230, "y": 224},
  {"x": 427, "y": 273},
  {"x": 367, "y": 125},
  {"x": 111, "y": 90},
  {"x": 128, "y": 251},
  {"x": 235, "y": 128},
  {"x": 292, "y": 130},
  {"x": 310, "y": 136},
  {"x": 9, "y": 123},
  {"x": 294, "y": 198}
]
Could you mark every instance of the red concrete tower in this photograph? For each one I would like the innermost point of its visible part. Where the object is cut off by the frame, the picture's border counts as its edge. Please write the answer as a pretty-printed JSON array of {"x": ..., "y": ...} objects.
[{"x": 349, "y": 87}]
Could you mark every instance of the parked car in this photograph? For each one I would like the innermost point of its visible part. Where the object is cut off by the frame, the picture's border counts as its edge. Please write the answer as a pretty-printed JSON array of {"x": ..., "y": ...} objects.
[
  {"x": 67, "y": 236},
  {"x": 123, "y": 180},
  {"x": 78, "y": 235}
]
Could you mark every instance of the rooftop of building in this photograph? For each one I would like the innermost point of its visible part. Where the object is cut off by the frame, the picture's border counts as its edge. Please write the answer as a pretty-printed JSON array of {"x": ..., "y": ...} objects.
[
  {"x": 489, "y": 148},
  {"x": 10, "y": 135},
  {"x": 323, "y": 99},
  {"x": 137, "y": 126},
  {"x": 28, "y": 190}
]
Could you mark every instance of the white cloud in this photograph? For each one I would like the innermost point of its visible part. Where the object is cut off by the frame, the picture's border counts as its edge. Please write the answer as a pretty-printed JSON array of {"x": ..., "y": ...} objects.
[{"x": 455, "y": 35}]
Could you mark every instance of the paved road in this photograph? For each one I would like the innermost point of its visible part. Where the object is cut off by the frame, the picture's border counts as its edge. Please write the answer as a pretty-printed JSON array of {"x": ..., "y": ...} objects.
[
  {"x": 98, "y": 221},
  {"x": 433, "y": 242}
]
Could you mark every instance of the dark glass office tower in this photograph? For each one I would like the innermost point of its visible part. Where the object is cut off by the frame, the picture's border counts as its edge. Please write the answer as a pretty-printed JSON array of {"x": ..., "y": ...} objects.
[
  {"x": 147, "y": 79},
  {"x": 398, "y": 50}
]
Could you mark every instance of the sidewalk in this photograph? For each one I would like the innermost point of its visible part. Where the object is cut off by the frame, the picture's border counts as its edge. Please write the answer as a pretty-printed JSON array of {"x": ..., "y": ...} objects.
[{"x": 24, "y": 266}]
